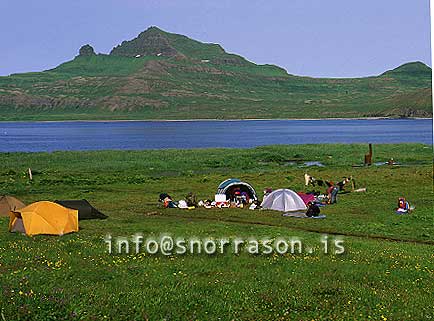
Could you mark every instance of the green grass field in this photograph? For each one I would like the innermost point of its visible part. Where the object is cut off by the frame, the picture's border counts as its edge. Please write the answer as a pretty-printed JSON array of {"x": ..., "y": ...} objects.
[{"x": 386, "y": 272}]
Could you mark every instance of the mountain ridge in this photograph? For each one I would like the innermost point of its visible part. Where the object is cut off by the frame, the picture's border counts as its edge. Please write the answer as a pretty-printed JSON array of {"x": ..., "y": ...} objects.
[{"x": 161, "y": 75}]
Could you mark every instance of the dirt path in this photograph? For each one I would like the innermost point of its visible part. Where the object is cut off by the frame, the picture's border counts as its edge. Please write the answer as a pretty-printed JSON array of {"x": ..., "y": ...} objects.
[{"x": 299, "y": 228}]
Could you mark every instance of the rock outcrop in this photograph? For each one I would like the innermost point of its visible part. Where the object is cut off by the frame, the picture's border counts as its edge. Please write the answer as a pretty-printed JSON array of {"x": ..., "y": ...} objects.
[{"x": 86, "y": 51}]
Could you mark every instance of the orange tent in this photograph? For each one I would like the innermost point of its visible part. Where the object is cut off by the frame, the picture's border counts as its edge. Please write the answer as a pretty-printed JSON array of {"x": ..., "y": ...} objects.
[
  {"x": 44, "y": 218},
  {"x": 9, "y": 203}
]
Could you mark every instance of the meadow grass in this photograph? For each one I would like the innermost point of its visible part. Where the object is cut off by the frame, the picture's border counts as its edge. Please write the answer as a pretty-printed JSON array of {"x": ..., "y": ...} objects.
[{"x": 386, "y": 272}]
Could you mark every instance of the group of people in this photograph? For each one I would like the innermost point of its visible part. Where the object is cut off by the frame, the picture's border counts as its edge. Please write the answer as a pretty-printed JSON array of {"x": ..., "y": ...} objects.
[
  {"x": 332, "y": 189},
  {"x": 188, "y": 203},
  {"x": 237, "y": 199}
]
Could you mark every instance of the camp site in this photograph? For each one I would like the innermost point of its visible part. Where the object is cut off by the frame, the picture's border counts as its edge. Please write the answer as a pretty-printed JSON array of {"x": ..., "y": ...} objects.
[
  {"x": 216, "y": 160},
  {"x": 59, "y": 270}
]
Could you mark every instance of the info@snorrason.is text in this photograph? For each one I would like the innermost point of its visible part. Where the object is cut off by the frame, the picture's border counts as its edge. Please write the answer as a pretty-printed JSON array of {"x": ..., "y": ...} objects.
[{"x": 167, "y": 244}]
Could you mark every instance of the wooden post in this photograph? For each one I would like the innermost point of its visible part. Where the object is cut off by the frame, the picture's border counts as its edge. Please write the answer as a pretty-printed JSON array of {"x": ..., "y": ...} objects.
[
  {"x": 368, "y": 157},
  {"x": 30, "y": 174}
]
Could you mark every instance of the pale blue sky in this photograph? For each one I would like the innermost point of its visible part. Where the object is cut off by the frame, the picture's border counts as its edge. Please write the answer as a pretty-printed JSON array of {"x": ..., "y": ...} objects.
[{"x": 333, "y": 38}]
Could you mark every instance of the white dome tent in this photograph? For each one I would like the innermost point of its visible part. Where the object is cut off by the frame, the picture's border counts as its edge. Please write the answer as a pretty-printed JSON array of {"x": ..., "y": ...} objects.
[{"x": 284, "y": 200}]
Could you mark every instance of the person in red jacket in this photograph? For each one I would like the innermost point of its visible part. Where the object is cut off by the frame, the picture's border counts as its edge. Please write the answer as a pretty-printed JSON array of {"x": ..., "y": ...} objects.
[{"x": 332, "y": 192}]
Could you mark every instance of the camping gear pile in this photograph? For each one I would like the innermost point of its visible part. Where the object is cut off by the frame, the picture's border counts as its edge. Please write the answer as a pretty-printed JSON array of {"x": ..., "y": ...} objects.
[{"x": 44, "y": 217}]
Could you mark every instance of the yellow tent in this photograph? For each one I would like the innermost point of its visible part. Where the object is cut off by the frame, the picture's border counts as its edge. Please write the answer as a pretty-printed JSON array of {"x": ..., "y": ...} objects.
[
  {"x": 9, "y": 203},
  {"x": 44, "y": 218}
]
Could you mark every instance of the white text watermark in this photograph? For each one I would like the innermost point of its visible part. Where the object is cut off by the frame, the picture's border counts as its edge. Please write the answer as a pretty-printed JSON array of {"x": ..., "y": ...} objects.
[{"x": 167, "y": 245}]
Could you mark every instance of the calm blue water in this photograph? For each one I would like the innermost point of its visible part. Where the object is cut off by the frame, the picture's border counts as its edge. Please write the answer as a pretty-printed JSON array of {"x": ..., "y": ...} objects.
[{"x": 52, "y": 136}]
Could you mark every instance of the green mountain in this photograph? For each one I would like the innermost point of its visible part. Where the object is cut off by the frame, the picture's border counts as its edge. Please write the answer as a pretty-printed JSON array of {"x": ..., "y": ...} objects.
[
  {"x": 161, "y": 75},
  {"x": 414, "y": 69}
]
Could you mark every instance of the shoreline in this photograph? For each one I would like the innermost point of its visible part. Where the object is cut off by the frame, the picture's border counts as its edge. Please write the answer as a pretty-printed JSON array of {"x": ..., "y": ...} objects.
[
  {"x": 120, "y": 150},
  {"x": 208, "y": 120}
]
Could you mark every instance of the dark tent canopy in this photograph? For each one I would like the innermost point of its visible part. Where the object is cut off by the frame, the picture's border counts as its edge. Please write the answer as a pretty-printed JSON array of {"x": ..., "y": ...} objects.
[
  {"x": 229, "y": 186},
  {"x": 85, "y": 210}
]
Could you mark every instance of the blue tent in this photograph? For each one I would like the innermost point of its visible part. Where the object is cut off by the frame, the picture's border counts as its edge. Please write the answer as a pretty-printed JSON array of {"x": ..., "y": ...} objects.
[{"x": 229, "y": 185}]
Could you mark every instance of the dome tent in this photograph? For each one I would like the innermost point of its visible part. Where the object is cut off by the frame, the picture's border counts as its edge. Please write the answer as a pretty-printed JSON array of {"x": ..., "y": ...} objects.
[
  {"x": 9, "y": 203},
  {"x": 284, "y": 200},
  {"x": 228, "y": 186},
  {"x": 85, "y": 210},
  {"x": 44, "y": 218}
]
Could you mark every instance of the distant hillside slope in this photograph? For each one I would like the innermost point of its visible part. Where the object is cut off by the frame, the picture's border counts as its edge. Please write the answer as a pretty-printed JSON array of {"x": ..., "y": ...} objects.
[{"x": 160, "y": 75}]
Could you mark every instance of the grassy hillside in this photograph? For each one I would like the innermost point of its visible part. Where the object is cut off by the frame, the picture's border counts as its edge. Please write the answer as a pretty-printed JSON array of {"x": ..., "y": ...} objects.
[
  {"x": 386, "y": 272},
  {"x": 160, "y": 75}
]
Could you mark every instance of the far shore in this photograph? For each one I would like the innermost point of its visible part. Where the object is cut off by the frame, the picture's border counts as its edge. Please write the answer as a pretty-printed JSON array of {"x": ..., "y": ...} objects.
[{"x": 206, "y": 120}]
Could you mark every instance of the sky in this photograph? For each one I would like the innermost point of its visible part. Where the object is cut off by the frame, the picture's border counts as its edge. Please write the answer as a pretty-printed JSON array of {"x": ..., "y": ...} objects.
[{"x": 319, "y": 38}]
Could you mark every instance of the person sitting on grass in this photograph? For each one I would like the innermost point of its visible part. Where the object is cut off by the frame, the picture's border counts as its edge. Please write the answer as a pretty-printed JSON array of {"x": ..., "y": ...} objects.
[
  {"x": 403, "y": 206},
  {"x": 167, "y": 201},
  {"x": 190, "y": 198},
  {"x": 312, "y": 210}
]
